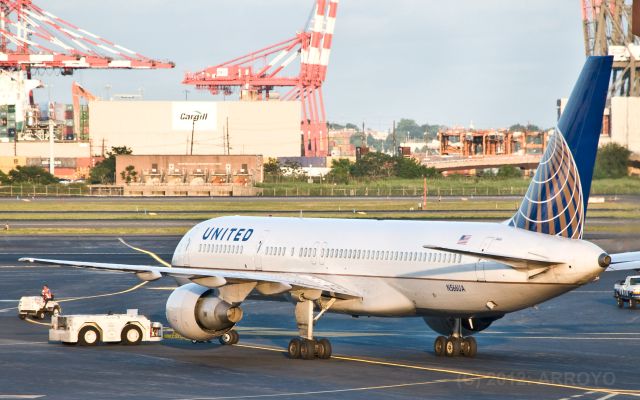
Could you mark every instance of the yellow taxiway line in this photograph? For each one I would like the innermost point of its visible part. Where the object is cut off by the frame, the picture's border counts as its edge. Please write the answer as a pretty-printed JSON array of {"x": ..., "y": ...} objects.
[
  {"x": 635, "y": 393},
  {"x": 150, "y": 253}
]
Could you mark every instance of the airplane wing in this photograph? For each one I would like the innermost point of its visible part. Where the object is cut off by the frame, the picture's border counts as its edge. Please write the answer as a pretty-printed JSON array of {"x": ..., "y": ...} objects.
[
  {"x": 624, "y": 261},
  {"x": 219, "y": 277}
]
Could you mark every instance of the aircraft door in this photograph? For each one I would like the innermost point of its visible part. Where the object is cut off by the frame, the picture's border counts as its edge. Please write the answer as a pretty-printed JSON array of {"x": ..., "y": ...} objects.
[
  {"x": 259, "y": 251},
  {"x": 480, "y": 265},
  {"x": 186, "y": 260}
]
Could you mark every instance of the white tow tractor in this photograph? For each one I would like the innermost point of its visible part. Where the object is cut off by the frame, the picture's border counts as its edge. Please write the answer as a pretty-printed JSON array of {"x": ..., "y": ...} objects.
[
  {"x": 35, "y": 306},
  {"x": 89, "y": 330}
]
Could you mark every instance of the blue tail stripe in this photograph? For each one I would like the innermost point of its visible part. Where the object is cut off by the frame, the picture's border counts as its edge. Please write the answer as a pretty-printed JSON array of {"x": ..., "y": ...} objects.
[
  {"x": 560, "y": 188},
  {"x": 581, "y": 120}
]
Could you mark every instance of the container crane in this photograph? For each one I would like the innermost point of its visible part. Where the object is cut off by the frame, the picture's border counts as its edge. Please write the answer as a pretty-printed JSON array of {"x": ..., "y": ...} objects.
[
  {"x": 259, "y": 72},
  {"x": 32, "y": 39},
  {"x": 611, "y": 27},
  {"x": 77, "y": 92}
]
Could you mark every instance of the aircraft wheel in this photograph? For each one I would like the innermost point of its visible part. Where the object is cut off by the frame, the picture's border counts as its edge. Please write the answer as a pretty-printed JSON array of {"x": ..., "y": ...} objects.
[
  {"x": 620, "y": 302},
  {"x": 439, "y": 345},
  {"x": 324, "y": 349},
  {"x": 632, "y": 303},
  {"x": 452, "y": 347},
  {"x": 308, "y": 350},
  {"x": 469, "y": 347},
  {"x": 294, "y": 348},
  {"x": 229, "y": 338}
]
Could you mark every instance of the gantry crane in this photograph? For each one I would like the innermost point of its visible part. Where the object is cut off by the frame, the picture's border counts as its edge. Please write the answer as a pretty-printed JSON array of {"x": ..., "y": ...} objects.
[
  {"x": 31, "y": 37},
  {"x": 77, "y": 92},
  {"x": 34, "y": 39},
  {"x": 609, "y": 29},
  {"x": 257, "y": 74}
]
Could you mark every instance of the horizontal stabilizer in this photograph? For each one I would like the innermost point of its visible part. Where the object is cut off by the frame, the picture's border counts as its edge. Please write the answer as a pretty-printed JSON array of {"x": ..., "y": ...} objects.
[{"x": 624, "y": 261}]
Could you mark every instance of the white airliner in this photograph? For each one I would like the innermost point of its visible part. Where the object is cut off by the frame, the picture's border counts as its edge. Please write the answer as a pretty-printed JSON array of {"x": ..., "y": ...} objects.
[{"x": 458, "y": 276}]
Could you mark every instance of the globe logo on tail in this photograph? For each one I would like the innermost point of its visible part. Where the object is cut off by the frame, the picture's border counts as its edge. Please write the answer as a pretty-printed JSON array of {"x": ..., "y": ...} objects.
[{"x": 554, "y": 203}]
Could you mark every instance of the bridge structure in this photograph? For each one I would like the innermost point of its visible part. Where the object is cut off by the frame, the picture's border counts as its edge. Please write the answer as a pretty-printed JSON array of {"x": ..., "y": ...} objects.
[{"x": 453, "y": 164}]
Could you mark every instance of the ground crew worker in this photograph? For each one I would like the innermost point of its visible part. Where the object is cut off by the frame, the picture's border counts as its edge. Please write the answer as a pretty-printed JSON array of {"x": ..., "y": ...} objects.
[{"x": 46, "y": 294}]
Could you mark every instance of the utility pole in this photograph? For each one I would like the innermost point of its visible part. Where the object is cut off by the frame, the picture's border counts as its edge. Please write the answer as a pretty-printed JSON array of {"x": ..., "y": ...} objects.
[
  {"x": 395, "y": 143},
  {"x": 52, "y": 165},
  {"x": 363, "y": 138},
  {"x": 228, "y": 145},
  {"x": 224, "y": 138},
  {"x": 193, "y": 129}
]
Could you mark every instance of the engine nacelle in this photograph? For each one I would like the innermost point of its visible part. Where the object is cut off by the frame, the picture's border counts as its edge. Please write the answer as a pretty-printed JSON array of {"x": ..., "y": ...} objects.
[
  {"x": 196, "y": 313},
  {"x": 445, "y": 326}
]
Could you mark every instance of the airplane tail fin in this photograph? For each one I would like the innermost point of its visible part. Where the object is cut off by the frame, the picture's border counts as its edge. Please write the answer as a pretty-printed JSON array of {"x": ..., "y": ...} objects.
[{"x": 556, "y": 201}]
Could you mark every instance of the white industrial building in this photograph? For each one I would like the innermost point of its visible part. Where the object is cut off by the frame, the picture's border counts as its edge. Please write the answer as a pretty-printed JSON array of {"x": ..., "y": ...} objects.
[
  {"x": 621, "y": 122},
  {"x": 625, "y": 123},
  {"x": 269, "y": 128}
]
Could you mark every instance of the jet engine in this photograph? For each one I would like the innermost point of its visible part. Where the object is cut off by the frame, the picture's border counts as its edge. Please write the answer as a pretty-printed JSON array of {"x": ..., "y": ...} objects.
[
  {"x": 445, "y": 326},
  {"x": 197, "y": 313}
]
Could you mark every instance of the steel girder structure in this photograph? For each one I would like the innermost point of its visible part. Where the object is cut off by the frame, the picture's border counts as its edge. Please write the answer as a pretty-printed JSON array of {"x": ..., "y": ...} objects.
[
  {"x": 607, "y": 26},
  {"x": 31, "y": 37},
  {"x": 257, "y": 74}
]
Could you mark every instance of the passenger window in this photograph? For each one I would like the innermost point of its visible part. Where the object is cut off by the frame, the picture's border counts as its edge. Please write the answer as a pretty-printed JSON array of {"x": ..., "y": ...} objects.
[
  {"x": 321, "y": 253},
  {"x": 358, "y": 254},
  {"x": 331, "y": 253},
  {"x": 304, "y": 253},
  {"x": 313, "y": 252},
  {"x": 300, "y": 252}
]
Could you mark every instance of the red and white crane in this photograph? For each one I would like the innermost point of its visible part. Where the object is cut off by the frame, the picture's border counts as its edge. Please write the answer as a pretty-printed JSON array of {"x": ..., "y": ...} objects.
[
  {"x": 31, "y": 37},
  {"x": 259, "y": 72}
]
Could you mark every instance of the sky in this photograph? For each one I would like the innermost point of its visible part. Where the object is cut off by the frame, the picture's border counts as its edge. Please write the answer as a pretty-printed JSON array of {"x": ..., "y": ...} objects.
[{"x": 492, "y": 63}]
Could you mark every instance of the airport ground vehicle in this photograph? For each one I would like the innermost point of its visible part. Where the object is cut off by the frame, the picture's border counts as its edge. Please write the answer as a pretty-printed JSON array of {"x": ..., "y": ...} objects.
[
  {"x": 627, "y": 291},
  {"x": 34, "y": 306},
  {"x": 88, "y": 330}
]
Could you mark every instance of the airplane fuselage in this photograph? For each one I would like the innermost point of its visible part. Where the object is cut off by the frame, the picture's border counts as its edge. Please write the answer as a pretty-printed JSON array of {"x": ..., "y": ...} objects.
[{"x": 387, "y": 263}]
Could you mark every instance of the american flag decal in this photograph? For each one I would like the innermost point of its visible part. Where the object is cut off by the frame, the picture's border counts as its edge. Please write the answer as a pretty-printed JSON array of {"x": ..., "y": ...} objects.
[{"x": 464, "y": 239}]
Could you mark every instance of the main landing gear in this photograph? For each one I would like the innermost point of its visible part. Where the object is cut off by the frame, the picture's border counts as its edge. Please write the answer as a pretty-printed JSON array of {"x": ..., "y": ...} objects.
[
  {"x": 307, "y": 347},
  {"x": 456, "y": 345}
]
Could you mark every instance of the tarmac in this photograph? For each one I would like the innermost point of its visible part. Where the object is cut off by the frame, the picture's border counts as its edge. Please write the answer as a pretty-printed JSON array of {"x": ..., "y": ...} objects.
[{"x": 577, "y": 346}]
